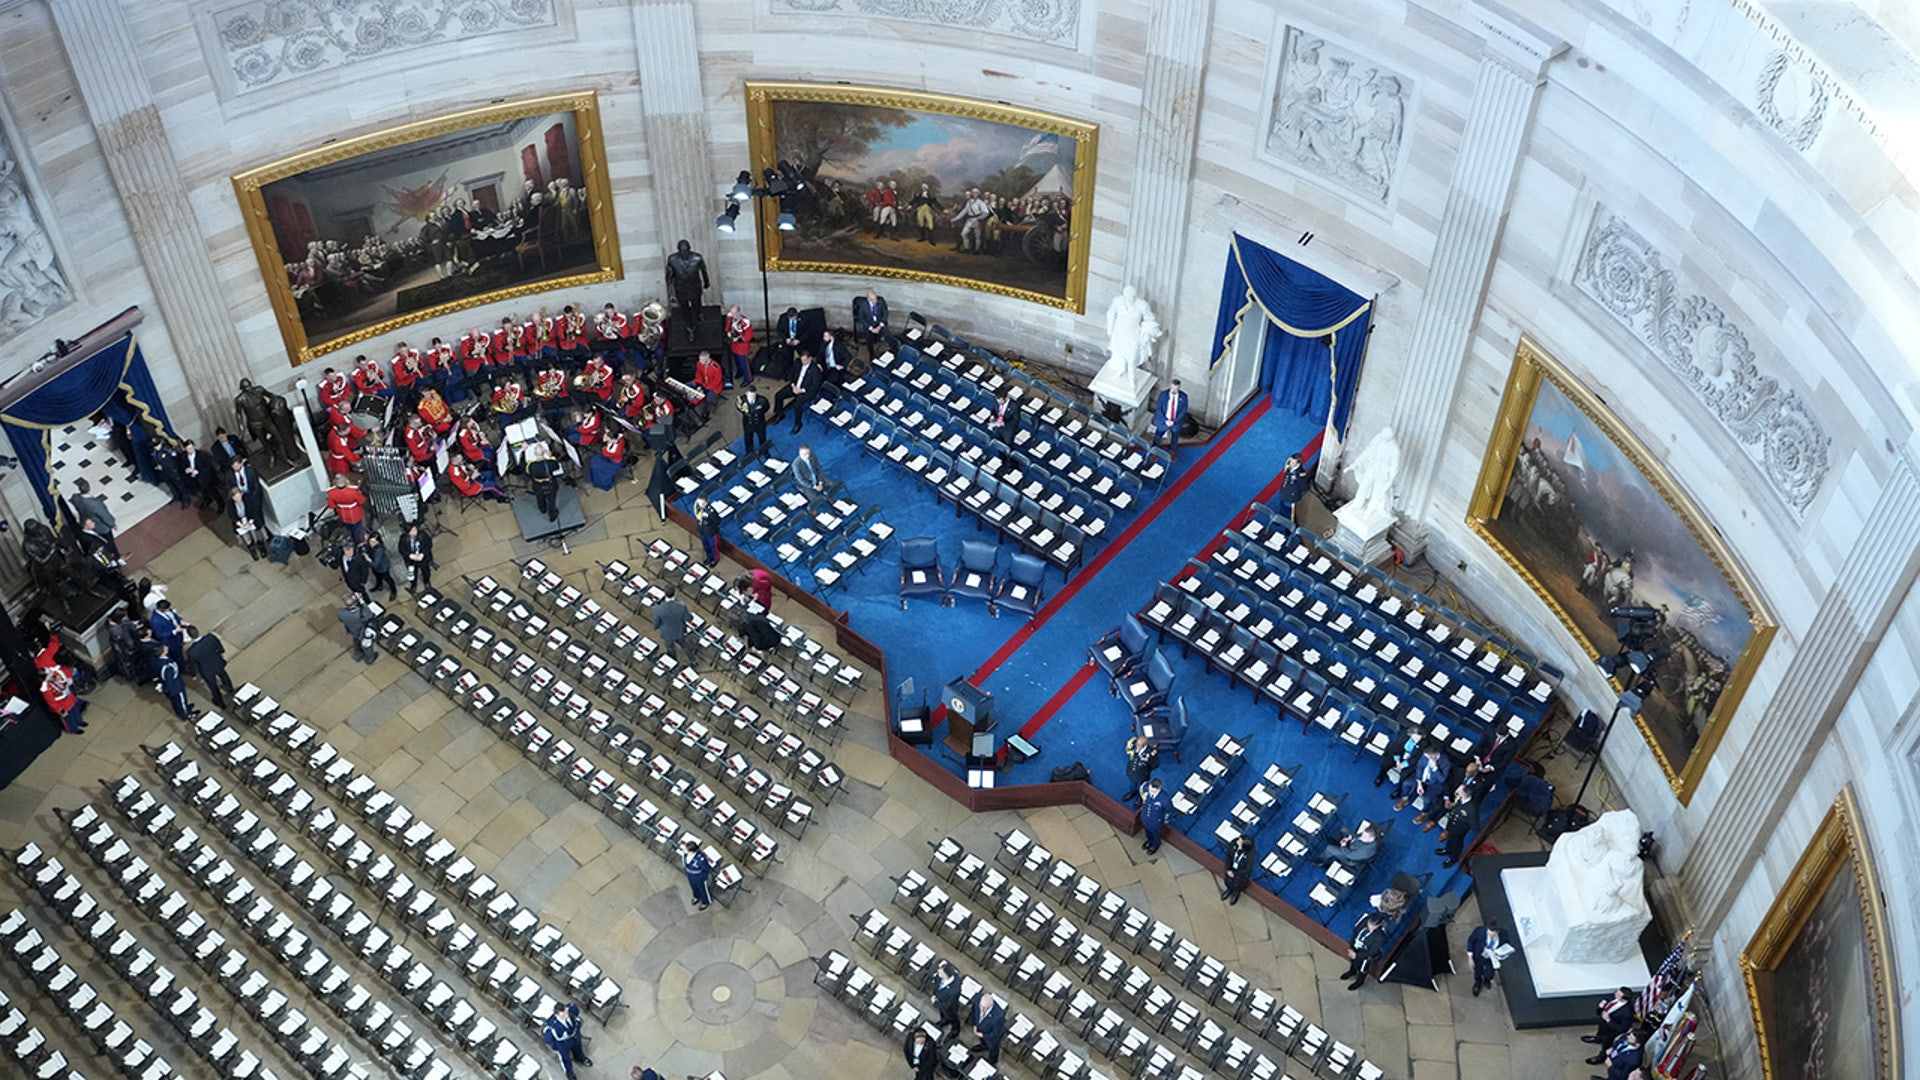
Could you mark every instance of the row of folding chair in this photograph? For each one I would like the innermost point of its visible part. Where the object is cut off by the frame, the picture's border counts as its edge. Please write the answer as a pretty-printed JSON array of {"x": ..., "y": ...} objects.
[
  {"x": 40, "y": 1058},
  {"x": 441, "y": 859},
  {"x": 853, "y": 554},
  {"x": 278, "y": 932},
  {"x": 584, "y": 775},
  {"x": 894, "y": 1014},
  {"x": 356, "y": 929},
  {"x": 702, "y": 741},
  {"x": 708, "y": 469},
  {"x": 746, "y": 483},
  {"x": 1232, "y": 993},
  {"x": 1210, "y": 776}
]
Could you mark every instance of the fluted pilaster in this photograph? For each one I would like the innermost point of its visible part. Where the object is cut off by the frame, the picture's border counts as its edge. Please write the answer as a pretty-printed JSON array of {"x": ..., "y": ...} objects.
[
  {"x": 1163, "y": 161},
  {"x": 684, "y": 187},
  {"x": 1831, "y": 652},
  {"x": 1498, "y": 118},
  {"x": 169, "y": 238}
]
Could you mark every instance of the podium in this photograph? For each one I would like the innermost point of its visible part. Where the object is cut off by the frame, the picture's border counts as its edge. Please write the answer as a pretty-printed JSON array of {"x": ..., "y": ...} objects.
[{"x": 969, "y": 712}]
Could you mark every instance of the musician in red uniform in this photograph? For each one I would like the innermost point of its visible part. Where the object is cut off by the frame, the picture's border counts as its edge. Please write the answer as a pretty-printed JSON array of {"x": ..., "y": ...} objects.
[
  {"x": 433, "y": 409},
  {"x": 350, "y": 506},
  {"x": 408, "y": 367},
  {"x": 539, "y": 332},
  {"x": 335, "y": 393},
  {"x": 472, "y": 443},
  {"x": 419, "y": 440},
  {"x": 596, "y": 378},
  {"x": 604, "y": 468},
  {"x": 633, "y": 397},
  {"x": 509, "y": 399},
  {"x": 438, "y": 358},
  {"x": 550, "y": 384},
  {"x": 368, "y": 378},
  {"x": 476, "y": 350},
  {"x": 56, "y": 688},
  {"x": 342, "y": 454},
  {"x": 470, "y": 480},
  {"x": 507, "y": 346},
  {"x": 611, "y": 328},
  {"x": 740, "y": 343},
  {"x": 586, "y": 427},
  {"x": 708, "y": 376},
  {"x": 570, "y": 332}
]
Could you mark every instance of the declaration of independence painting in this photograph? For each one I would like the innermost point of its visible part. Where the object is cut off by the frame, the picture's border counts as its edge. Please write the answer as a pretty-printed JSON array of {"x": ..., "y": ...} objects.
[
  {"x": 1574, "y": 503},
  {"x": 364, "y": 235},
  {"x": 928, "y": 187}
]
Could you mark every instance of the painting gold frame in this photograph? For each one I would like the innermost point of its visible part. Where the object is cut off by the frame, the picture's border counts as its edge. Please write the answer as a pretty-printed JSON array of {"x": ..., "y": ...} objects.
[
  {"x": 1839, "y": 842},
  {"x": 762, "y": 97},
  {"x": 592, "y": 160},
  {"x": 1532, "y": 367}
]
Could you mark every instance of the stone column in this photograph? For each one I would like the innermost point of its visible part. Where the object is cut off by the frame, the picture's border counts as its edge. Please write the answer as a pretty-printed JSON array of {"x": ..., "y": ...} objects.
[
  {"x": 1177, "y": 33},
  {"x": 1512, "y": 63},
  {"x": 171, "y": 243},
  {"x": 1832, "y": 651},
  {"x": 685, "y": 191}
]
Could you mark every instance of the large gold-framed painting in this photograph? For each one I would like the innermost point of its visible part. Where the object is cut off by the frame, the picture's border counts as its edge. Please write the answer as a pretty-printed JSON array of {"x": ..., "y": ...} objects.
[
  {"x": 1574, "y": 503},
  {"x": 904, "y": 184},
  {"x": 365, "y": 235},
  {"x": 1819, "y": 970}
]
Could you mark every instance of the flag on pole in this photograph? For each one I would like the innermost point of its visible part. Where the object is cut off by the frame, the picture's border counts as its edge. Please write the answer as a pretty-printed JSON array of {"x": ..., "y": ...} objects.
[{"x": 1663, "y": 984}]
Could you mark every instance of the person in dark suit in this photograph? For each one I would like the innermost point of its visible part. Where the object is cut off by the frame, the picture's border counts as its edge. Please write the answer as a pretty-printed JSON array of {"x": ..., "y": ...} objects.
[
  {"x": 1623, "y": 1057},
  {"x": 1483, "y": 946},
  {"x": 798, "y": 394},
  {"x": 807, "y": 478},
  {"x": 416, "y": 554},
  {"x": 225, "y": 450},
  {"x": 1005, "y": 419},
  {"x": 1461, "y": 819},
  {"x": 1170, "y": 416},
  {"x": 1616, "y": 1016},
  {"x": 207, "y": 658},
  {"x": 173, "y": 473},
  {"x": 357, "y": 571},
  {"x": 946, "y": 998},
  {"x": 923, "y": 1057},
  {"x": 250, "y": 533},
  {"x": 870, "y": 321},
  {"x": 990, "y": 1024},
  {"x": 789, "y": 331},
  {"x": 1154, "y": 805},
  {"x": 833, "y": 360},
  {"x": 1239, "y": 869},
  {"x": 203, "y": 479},
  {"x": 88, "y": 505},
  {"x": 753, "y": 420},
  {"x": 670, "y": 618},
  {"x": 1495, "y": 750},
  {"x": 253, "y": 493},
  {"x": 1354, "y": 848},
  {"x": 1142, "y": 758},
  {"x": 1369, "y": 938}
]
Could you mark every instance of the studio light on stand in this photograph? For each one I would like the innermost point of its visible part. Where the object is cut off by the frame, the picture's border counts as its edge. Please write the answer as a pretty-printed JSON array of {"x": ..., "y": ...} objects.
[
  {"x": 1633, "y": 665},
  {"x": 781, "y": 183}
]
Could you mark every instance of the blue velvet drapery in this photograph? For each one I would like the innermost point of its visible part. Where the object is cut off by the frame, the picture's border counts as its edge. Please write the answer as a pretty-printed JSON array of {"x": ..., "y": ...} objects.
[
  {"x": 1308, "y": 308},
  {"x": 115, "y": 381}
]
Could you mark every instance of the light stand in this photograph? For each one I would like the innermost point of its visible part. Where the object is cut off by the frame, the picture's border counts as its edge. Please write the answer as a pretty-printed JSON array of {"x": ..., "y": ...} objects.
[
  {"x": 1639, "y": 656},
  {"x": 782, "y": 183}
]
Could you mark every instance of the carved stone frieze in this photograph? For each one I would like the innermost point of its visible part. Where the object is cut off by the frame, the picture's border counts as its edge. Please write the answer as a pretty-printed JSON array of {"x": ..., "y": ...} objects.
[
  {"x": 263, "y": 43},
  {"x": 31, "y": 284},
  {"x": 1791, "y": 98},
  {"x": 1050, "y": 22},
  {"x": 1337, "y": 115},
  {"x": 1710, "y": 351}
]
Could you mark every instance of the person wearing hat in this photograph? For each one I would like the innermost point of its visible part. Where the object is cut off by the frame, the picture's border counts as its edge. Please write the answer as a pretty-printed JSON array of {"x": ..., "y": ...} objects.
[
  {"x": 699, "y": 869},
  {"x": 1142, "y": 758}
]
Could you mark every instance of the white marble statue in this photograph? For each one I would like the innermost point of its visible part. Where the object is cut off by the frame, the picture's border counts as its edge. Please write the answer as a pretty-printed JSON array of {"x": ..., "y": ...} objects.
[
  {"x": 1595, "y": 877},
  {"x": 1131, "y": 329},
  {"x": 30, "y": 281},
  {"x": 1374, "y": 472}
]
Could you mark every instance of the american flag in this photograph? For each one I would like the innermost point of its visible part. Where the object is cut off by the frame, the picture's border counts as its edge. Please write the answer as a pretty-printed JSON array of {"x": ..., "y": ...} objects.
[
  {"x": 1665, "y": 982},
  {"x": 1697, "y": 613}
]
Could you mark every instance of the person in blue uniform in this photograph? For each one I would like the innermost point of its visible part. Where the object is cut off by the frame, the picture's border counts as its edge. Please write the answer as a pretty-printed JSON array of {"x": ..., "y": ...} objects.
[
  {"x": 699, "y": 871},
  {"x": 1154, "y": 805},
  {"x": 1142, "y": 758},
  {"x": 562, "y": 1036}
]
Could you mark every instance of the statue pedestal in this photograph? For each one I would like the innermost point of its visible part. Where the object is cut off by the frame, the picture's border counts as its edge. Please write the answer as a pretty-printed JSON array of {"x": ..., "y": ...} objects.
[
  {"x": 1540, "y": 926},
  {"x": 1361, "y": 532},
  {"x": 1127, "y": 386},
  {"x": 289, "y": 499}
]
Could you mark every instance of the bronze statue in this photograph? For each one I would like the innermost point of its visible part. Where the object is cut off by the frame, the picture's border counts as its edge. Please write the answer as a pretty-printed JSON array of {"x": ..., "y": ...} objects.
[
  {"x": 687, "y": 277},
  {"x": 283, "y": 427},
  {"x": 256, "y": 413}
]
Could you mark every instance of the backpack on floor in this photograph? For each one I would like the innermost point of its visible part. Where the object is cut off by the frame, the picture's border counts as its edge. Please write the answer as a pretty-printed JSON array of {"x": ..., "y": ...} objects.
[
  {"x": 280, "y": 550},
  {"x": 1066, "y": 773}
]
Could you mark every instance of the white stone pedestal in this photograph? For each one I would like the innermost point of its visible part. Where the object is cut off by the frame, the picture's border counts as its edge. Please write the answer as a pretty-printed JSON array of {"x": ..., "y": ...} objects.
[
  {"x": 289, "y": 499},
  {"x": 1361, "y": 532},
  {"x": 1537, "y": 926},
  {"x": 1127, "y": 386}
]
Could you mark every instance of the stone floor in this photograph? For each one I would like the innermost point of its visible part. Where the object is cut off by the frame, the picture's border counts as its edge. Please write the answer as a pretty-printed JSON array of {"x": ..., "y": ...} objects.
[{"x": 729, "y": 988}]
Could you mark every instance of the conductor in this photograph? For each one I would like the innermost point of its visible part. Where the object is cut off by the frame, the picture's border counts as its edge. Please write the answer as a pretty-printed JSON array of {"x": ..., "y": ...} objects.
[{"x": 544, "y": 474}]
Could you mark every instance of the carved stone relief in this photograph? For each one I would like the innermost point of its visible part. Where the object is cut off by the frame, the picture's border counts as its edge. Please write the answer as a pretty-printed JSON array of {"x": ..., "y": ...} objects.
[
  {"x": 1711, "y": 352},
  {"x": 1051, "y": 22},
  {"x": 267, "y": 42},
  {"x": 31, "y": 285},
  {"x": 1791, "y": 98},
  {"x": 1337, "y": 115}
]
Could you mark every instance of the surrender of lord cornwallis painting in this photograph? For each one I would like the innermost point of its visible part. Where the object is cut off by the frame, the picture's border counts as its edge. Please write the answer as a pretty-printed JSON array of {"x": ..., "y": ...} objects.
[
  {"x": 1578, "y": 507},
  {"x": 928, "y": 187},
  {"x": 365, "y": 235}
]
